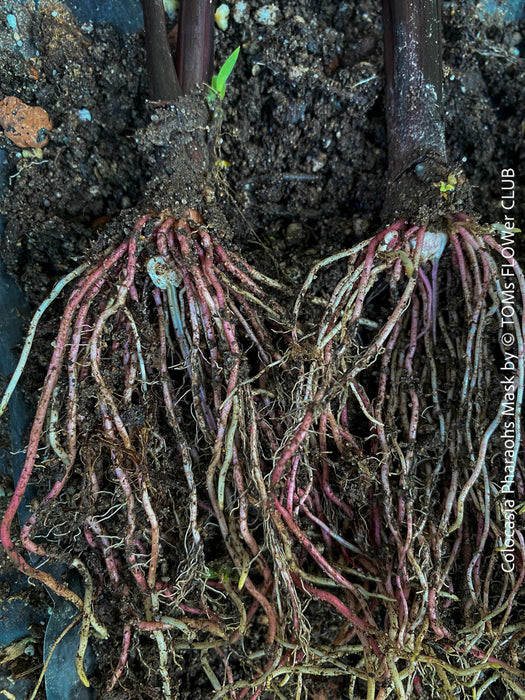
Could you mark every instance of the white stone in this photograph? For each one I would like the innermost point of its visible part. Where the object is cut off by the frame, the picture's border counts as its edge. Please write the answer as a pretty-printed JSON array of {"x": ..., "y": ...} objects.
[
  {"x": 267, "y": 15},
  {"x": 240, "y": 12},
  {"x": 433, "y": 245},
  {"x": 222, "y": 14}
]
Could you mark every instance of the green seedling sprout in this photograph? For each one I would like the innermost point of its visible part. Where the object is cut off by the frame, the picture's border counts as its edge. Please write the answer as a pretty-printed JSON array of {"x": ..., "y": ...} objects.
[
  {"x": 446, "y": 187},
  {"x": 218, "y": 82}
]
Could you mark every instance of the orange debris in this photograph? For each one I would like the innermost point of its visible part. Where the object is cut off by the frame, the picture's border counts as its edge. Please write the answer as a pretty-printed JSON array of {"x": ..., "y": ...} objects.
[{"x": 25, "y": 126}]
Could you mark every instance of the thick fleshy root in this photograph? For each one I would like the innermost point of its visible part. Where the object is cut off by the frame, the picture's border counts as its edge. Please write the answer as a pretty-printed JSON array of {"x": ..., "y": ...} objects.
[{"x": 235, "y": 469}]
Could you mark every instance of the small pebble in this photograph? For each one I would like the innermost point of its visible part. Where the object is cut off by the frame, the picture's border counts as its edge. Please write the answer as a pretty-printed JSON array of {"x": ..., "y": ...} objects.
[
  {"x": 318, "y": 162},
  {"x": 267, "y": 15},
  {"x": 84, "y": 115},
  {"x": 240, "y": 12},
  {"x": 221, "y": 16}
]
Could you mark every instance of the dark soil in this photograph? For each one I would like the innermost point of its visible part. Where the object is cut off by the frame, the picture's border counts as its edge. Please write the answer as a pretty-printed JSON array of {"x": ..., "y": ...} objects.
[
  {"x": 300, "y": 164},
  {"x": 303, "y": 134}
]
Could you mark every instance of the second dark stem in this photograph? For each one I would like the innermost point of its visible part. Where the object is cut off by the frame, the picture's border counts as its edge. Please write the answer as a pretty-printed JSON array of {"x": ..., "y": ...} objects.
[{"x": 413, "y": 86}]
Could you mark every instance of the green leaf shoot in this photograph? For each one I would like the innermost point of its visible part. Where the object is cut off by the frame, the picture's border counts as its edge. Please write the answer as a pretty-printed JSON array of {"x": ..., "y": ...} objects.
[{"x": 218, "y": 82}]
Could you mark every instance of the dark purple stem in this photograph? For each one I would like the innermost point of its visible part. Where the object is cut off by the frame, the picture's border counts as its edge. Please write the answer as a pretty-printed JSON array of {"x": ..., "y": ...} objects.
[
  {"x": 194, "y": 57},
  {"x": 164, "y": 85},
  {"x": 413, "y": 86}
]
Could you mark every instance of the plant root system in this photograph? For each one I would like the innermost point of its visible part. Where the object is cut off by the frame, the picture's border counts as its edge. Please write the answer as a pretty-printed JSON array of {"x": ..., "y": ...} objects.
[
  {"x": 222, "y": 470},
  {"x": 401, "y": 480},
  {"x": 158, "y": 375}
]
